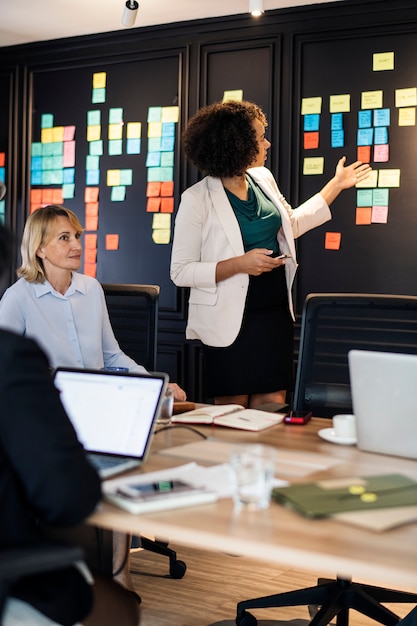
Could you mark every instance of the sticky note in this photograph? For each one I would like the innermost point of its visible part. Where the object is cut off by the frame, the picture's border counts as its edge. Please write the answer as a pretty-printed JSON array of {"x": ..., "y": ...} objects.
[
  {"x": 337, "y": 138},
  {"x": 380, "y": 135},
  {"x": 382, "y": 117},
  {"x": 406, "y": 97},
  {"x": 389, "y": 178},
  {"x": 332, "y": 241},
  {"x": 370, "y": 181},
  {"x": 154, "y": 114},
  {"x": 98, "y": 96},
  {"x": 365, "y": 136},
  {"x": 364, "y": 197},
  {"x": 311, "y": 105},
  {"x": 91, "y": 194},
  {"x": 116, "y": 116},
  {"x": 364, "y": 119},
  {"x": 90, "y": 269},
  {"x": 167, "y": 205},
  {"x": 371, "y": 99},
  {"x": 153, "y": 189},
  {"x": 91, "y": 222},
  {"x": 383, "y": 61},
  {"x": 363, "y": 215},
  {"x": 90, "y": 241},
  {"x": 336, "y": 121},
  {"x": 161, "y": 220},
  {"x": 407, "y": 116},
  {"x": 153, "y": 204},
  {"x": 313, "y": 166},
  {"x": 233, "y": 94},
  {"x": 161, "y": 236},
  {"x": 311, "y": 141},
  {"x": 167, "y": 188},
  {"x": 339, "y": 103},
  {"x": 364, "y": 154},
  {"x": 311, "y": 122},
  {"x": 133, "y": 130},
  {"x": 93, "y": 118},
  {"x": 99, "y": 80},
  {"x": 170, "y": 114},
  {"x": 379, "y": 214},
  {"x": 381, "y": 153},
  {"x": 118, "y": 194},
  {"x": 112, "y": 242},
  {"x": 380, "y": 197}
]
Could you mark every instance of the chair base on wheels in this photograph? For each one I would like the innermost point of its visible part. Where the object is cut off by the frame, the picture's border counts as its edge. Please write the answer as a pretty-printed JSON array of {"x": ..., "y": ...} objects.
[
  {"x": 177, "y": 568},
  {"x": 335, "y": 598}
]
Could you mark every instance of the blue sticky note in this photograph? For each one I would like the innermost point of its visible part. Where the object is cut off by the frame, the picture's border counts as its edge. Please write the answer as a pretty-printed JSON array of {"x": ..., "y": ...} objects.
[
  {"x": 47, "y": 149},
  {"x": 35, "y": 177},
  {"x": 115, "y": 146},
  {"x": 381, "y": 117},
  {"x": 365, "y": 136},
  {"x": 153, "y": 159},
  {"x": 36, "y": 163},
  {"x": 167, "y": 159},
  {"x": 168, "y": 129},
  {"x": 3, "y": 174},
  {"x": 93, "y": 118},
  {"x": 381, "y": 135},
  {"x": 68, "y": 190},
  {"x": 337, "y": 121},
  {"x": 57, "y": 177},
  {"x": 98, "y": 96},
  {"x": 69, "y": 175},
  {"x": 133, "y": 146},
  {"x": 36, "y": 148},
  {"x": 167, "y": 144},
  {"x": 154, "y": 144},
  {"x": 47, "y": 163},
  {"x": 92, "y": 177},
  {"x": 47, "y": 120},
  {"x": 311, "y": 122},
  {"x": 92, "y": 162},
  {"x": 380, "y": 197},
  {"x": 364, "y": 119},
  {"x": 338, "y": 138},
  {"x": 154, "y": 114},
  {"x": 126, "y": 177},
  {"x": 57, "y": 148},
  {"x": 364, "y": 197},
  {"x": 95, "y": 147},
  {"x": 116, "y": 116}
]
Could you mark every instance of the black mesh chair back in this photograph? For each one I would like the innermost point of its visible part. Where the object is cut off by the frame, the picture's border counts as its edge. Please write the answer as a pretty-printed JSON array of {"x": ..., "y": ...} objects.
[
  {"x": 133, "y": 311},
  {"x": 334, "y": 323}
]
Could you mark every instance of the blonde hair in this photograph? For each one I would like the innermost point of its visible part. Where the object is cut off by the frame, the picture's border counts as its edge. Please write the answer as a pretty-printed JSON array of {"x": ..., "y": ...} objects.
[{"x": 34, "y": 235}]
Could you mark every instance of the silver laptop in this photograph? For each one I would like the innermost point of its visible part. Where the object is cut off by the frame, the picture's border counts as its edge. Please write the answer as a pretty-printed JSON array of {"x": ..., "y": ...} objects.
[
  {"x": 113, "y": 414},
  {"x": 384, "y": 398}
]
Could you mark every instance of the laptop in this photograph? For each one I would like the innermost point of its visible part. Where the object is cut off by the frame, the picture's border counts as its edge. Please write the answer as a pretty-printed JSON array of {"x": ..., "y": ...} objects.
[
  {"x": 113, "y": 414},
  {"x": 384, "y": 398}
]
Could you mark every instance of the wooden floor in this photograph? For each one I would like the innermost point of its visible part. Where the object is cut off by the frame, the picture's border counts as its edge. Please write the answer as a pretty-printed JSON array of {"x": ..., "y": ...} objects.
[{"x": 212, "y": 586}]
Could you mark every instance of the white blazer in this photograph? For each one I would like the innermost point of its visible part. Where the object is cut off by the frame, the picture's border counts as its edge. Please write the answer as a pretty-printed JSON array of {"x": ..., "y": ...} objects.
[{"x": 207, "y": 231}]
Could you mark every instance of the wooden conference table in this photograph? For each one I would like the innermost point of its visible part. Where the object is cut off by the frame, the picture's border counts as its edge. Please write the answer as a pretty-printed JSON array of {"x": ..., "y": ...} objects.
[{"x": 277, "y": 534}]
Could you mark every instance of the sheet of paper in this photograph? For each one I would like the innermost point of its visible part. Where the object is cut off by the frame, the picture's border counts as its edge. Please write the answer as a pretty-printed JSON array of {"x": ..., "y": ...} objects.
[{"x": 291, "y": 463}]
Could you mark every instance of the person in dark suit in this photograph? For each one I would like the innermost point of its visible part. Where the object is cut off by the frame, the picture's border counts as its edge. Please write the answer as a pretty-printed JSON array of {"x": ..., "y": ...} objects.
[{"x": 46, "y": 481}]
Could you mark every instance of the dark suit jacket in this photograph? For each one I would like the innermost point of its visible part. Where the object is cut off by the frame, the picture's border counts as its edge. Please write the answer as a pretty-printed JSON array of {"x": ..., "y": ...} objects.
[{"x": 45, "y": 477}]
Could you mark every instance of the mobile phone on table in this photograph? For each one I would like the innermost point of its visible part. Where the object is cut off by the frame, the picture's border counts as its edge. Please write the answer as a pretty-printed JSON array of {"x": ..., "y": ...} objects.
[
  {"x": 298, "y": 417},
  {"x": 157, "y": 489}
]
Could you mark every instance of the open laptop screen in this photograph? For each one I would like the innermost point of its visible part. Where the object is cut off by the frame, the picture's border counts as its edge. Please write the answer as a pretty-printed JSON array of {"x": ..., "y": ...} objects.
[{"x": 112, "y": 413}]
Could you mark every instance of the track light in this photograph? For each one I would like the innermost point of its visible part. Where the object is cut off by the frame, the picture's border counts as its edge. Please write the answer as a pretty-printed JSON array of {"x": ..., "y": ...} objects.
[
  {"x": 130, "y": 12},
  {"x": 256, "y": 7}
]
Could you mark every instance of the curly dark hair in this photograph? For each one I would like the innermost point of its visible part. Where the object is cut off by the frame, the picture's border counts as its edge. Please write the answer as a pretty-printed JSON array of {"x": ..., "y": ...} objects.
[{"x": 220, "y": 139}]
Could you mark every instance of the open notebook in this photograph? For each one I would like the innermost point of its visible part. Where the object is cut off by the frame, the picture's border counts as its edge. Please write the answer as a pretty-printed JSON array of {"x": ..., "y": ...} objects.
[
  {"x": 230, "y": 415},
  {"x": 113, "y": 414}
]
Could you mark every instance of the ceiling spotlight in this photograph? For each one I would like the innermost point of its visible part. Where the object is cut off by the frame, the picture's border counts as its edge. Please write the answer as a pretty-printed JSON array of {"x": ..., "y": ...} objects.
[
  {"x": 130, "y": 12},
  {"x": 256, "y": 7}
]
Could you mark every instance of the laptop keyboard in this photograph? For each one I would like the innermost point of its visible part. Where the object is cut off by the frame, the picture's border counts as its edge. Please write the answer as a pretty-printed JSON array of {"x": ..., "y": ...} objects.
[{"x": 101, "y": 462}]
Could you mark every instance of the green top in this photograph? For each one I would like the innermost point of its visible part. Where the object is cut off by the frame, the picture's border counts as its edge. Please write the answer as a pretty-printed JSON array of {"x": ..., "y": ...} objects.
[{"x": 258, "y": 217}]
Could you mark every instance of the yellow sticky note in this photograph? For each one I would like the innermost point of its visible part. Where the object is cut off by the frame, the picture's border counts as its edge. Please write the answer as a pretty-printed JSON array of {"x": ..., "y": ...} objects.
[
  {"x": 407, "y": 116},
  {"x": 161, "y": 220},
  {"x": 370, "y": 181},
  {"x": 170, "y": 114},
  {"x": 383, "y": 61},
  {"x": 159, "y": 235},
  {"x": 99, "y": 80},
  {"x": 134, "y": 130},
  {"x": 389, "y": 178},
  {"x": 58, "y": 133},
  {"x": 311, "y": 105},
  {"x": 313, "y": 166},
  {"x": 340, "y": 103},
  {"x": 155, "y": 129},
  {"x": 115, "y": 131},
  {"x": 406, "y": 97},
  {"x": 113, "y": 178},
  {"x": 93, "y": 132},
  {"x": 233, "y": 94},
  {"x": 46, "y": 135},
  {"x": 372, "y": 99}
]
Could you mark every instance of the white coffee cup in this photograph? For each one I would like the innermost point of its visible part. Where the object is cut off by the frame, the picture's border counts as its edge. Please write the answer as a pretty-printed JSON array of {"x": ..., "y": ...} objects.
[{"x": 344, "y": 425}]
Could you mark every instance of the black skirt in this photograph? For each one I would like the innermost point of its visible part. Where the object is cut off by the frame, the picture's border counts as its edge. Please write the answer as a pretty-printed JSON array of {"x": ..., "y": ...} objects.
[{"x": 260, "y": 360}]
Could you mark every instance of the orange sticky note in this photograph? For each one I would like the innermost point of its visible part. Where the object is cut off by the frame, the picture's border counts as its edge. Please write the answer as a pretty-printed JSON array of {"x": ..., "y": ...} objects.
[
  {"x": 91, "y": 194},
  {"x": 90, "y": 255},
  {"x": 364, "y": 154},
  {"x": 153, "y": 189},
  {"x": 91, "y": 209},
  {"x": 90, "y": 269},
  {"x": 35, "y": 206},
  {"x": 90, "y": 241},
  {"x": 2, "y": 159},
  {"x": 91, "y": 222},
  {"x": 311, "y": 141},
  {"x": 363, "y": 215},
  {"x": 47, "y": 196},
  {"x": 57, "y": 197},
  {"x": 152, "y": 205},
  {"x": 36, "y": 196},
  {"x": 112, "y": 242},
  {"x": 167, "y": 205},
  {"x": 167, "y": 188},
  {"x": 332, "y": 241}
]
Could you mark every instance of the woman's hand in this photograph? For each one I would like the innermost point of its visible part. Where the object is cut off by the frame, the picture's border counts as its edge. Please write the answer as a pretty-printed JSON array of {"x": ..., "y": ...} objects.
[
  {"x": 345, "y": 177},
  {"x": 258, "y": 261},
  {"x": 179, "y": 394},
  {"x": 350, "y": 175}
]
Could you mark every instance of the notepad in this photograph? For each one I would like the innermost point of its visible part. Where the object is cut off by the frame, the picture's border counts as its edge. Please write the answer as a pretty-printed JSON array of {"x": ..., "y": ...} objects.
[{"x": 230, "y": 415}]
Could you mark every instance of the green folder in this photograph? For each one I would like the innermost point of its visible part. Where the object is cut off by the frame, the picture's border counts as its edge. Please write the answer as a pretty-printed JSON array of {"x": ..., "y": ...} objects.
[{"x": 323, "y": 498}]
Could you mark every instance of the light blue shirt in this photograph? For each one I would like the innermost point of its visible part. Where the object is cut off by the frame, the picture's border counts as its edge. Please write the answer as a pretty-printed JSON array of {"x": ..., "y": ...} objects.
[{"x": 73, "y": 329}]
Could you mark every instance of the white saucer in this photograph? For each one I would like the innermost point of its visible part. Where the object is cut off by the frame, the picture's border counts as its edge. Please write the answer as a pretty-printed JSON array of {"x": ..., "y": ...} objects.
[{"x": 329, "y": 435}]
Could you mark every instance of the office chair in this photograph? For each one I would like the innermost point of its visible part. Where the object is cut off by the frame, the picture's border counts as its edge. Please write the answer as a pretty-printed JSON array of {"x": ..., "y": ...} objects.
[
  {"x": 331, "y": 325},
  {"x": 45, "y": 557},
  {"x": 334, "y": 323},
  {"x": 133, "y": 312}
]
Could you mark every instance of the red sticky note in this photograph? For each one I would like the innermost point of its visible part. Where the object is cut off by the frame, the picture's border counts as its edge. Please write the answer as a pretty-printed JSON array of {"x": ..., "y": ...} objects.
[
  {"x": 90, "y": 255},
  {"x": 91, "y": 222},
  {"x": 36, "y": 196},
  {"x": 311, "y": 140},
  {"x": 57, "y": 197},
  {"x": 112, "y": 242},
  {"x": 91, "y": 209},
  {"x": 364, "y": 154},
  {"x": 2, "y": 159},
  {"x": 90, "y": 269},
  {"x": 91, "y": 194},
  {"x": 332, "y": 241},
  {"x": 153, "y": 204},
  {"x": 153, "y": 189},
  {"x": 47, "y": 196},
  {"x": 167, "y": 205},
  {"x": 90, "y": 241},
  {"x": 363, "y": 215},
  {"x": 167, "y": 188}
]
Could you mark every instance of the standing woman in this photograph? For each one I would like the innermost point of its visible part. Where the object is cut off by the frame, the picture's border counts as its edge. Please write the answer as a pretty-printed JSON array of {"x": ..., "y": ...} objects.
[{"x": 230, "y": 231}]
